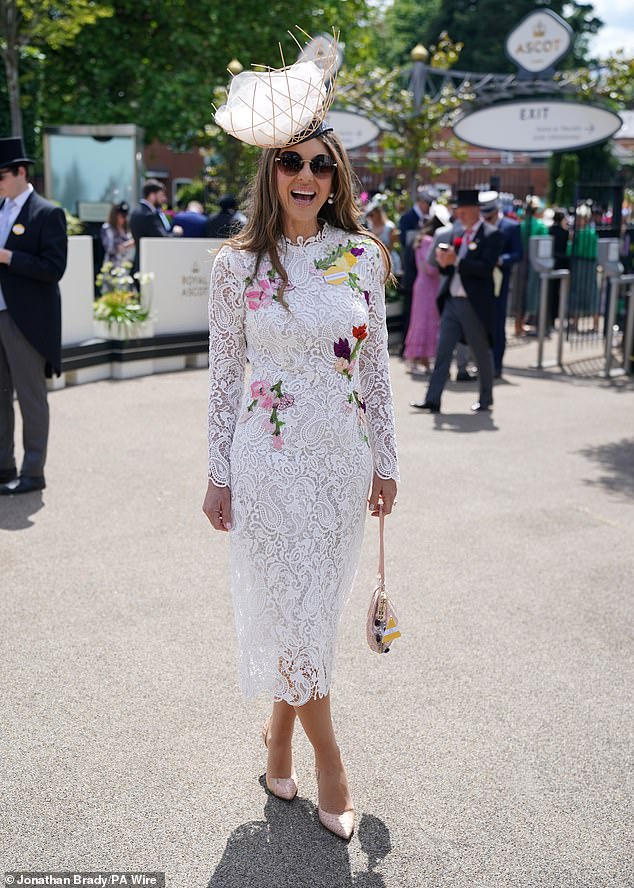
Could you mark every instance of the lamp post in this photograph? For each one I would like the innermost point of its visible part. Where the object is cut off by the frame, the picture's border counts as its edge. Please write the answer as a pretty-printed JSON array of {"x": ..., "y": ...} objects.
[
  {"x": 418, "y": 74},
  {"x": 232, "y": 148},
  {"x": 417, "y": 85},
  {"x": 234, "y": 67}
]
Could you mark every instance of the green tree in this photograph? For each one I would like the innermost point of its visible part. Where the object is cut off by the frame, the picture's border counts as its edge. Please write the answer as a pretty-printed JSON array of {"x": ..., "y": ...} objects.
[
  {"x": 27, "y": 25},
  {"x": 482, "y": 25},
  {"x": 408, "y": 133},
  {"x": 405, "y": 23},
  {"x": 157, "y": 64},
  {"x": 564, "y": 175},
  {"x": 612, "y": 81}
]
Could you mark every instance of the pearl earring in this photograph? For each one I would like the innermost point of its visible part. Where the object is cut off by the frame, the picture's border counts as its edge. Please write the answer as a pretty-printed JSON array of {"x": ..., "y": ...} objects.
[{"x": 331, "y": 197}]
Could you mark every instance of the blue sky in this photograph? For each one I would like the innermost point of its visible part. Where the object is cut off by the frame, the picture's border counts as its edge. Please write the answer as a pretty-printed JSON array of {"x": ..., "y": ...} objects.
[{"x": 618, "y": 31}]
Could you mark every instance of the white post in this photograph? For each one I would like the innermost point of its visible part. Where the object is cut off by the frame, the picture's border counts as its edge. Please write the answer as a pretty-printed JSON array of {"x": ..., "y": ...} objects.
[
  {"x": 563, "y": 308},
  {"x": 543, "y": 309},
  {"x": 613, "y": 296},
  {"x": 628, "y": 341}
]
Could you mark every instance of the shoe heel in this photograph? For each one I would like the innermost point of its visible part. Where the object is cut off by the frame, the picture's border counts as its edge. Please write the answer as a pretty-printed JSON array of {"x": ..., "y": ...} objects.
[{"x": 282, "y": 787}]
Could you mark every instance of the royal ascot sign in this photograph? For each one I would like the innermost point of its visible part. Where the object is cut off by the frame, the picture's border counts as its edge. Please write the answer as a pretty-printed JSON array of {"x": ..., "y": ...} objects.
[
  {"x": 536, "y": 125},
  {"x": 539, "y": 41}
]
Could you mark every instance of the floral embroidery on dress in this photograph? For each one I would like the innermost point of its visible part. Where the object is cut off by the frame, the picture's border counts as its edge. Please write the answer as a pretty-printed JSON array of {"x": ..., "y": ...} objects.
[
  {"x": 263, "y": 291},
  {"x": 337, "y": 266},
  {"x": 355, "y": 401},
  {"x": 346, "y": 356},
  {"x": 346, "y": 359},
  {"x": 271, "y": 397}
]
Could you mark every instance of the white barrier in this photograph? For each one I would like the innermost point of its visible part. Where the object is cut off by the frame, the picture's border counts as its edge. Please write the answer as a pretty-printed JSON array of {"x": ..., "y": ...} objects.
[
  {"x": 77, "y": 289},
  {"x": 180, "y": 288},
  {"x": 178, "y": 293}
]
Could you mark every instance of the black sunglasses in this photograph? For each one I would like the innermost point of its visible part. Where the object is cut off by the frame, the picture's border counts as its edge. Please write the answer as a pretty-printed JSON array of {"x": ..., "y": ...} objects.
[{"x": 292, "y": 163}]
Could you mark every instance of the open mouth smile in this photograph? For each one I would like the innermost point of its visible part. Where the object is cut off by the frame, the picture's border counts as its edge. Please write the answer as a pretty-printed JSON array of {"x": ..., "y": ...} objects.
[{"x": 303, "y": 198}]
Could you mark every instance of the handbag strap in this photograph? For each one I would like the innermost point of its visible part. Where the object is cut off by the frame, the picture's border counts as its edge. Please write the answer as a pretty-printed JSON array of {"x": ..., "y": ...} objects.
[{"x": 381, "y": 545}]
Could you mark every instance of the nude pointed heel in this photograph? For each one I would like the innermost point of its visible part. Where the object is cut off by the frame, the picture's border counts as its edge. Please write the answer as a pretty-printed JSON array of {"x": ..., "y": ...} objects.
[
  {"x": 282, "y": 787},
  {"x": 342, "y": 825}
]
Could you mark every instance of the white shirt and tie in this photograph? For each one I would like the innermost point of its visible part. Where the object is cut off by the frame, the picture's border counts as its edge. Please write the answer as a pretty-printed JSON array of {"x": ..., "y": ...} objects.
[
  {"x": 8, "y": 214},
  {"x": 456, "y": 287}
]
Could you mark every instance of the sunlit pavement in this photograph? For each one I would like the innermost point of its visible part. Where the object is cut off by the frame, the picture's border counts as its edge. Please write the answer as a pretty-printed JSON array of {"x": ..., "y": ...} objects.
[{"x": 490, "y": 748}]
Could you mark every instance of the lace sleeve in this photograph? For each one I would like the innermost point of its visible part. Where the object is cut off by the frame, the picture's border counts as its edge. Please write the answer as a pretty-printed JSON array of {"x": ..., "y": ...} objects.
[
  {"x": 374, "y": 369},
  {"x": 227, "y": 359}
]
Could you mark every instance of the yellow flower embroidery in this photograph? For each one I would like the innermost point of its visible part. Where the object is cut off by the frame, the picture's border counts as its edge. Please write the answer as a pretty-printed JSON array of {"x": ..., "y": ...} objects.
[{"x": 337, "y": 273}]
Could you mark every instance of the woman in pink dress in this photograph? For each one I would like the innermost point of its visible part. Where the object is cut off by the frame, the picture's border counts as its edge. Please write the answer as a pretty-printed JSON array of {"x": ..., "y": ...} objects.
[{"x": 422, "y": 333}]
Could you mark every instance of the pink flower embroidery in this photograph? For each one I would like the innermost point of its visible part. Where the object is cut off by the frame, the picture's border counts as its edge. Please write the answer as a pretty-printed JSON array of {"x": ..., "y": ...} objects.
[
  {"x": 261, "y": 295},
  {"x": 259, "y": 389},
  {"x": 271, "y": 397}
]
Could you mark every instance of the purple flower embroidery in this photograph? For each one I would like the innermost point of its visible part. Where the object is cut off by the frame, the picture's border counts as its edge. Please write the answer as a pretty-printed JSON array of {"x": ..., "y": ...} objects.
[
  {"x": 342, "y": 349},
  {"x": 286, "y": 401},
  {"x": 357, "y": 251},
  {"x": 355, "y": 401},
  {"x": 366, "y": 294}
]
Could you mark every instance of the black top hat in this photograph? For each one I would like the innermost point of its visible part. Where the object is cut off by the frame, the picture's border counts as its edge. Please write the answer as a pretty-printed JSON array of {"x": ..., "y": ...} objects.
[
  {"x": 227, "y": 202},
  {"x": 12, "y": 152},
  {"x": 467, "y": 197},
  {"x": 122, "y": 207}
]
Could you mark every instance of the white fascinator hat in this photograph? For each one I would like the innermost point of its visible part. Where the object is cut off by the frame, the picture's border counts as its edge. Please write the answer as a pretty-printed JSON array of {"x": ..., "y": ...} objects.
[{"x": 277, "y": 107}]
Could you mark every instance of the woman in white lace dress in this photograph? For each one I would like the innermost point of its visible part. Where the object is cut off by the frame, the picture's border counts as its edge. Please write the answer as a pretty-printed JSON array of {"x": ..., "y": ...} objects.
[{"x": 294, "y": 454}]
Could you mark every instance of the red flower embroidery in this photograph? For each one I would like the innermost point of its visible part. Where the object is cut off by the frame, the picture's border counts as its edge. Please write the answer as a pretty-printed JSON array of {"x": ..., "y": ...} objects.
[{"x": 360, "y": 332}]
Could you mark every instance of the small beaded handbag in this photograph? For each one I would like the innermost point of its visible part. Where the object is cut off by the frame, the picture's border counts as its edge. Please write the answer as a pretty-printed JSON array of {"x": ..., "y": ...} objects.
[{"x": 382, "y": 621}]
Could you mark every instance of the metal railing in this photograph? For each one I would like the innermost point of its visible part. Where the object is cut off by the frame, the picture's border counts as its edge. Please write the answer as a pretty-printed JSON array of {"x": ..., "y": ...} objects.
[
  {"x": 545, "y": 277},
  {"x": 618, "y": 284}
]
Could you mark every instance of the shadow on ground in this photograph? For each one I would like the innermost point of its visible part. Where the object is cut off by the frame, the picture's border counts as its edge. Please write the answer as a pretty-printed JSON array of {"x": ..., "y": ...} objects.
[
  {"x": 16, "y": 511},
  {"x": 465, "y": 423},
  {"x": 617, "y": 462},
  {"x": 290, "y": 849}
]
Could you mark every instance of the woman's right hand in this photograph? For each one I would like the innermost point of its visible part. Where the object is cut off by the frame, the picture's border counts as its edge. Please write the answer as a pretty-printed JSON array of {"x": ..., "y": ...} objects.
[{"x": 217, "y": 506}]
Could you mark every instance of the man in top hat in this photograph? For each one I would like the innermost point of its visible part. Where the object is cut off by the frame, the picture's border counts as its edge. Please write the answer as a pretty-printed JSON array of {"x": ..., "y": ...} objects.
[
  {"x": 411, "y": 221},
  {"x": 511, "y": 254},
  {"x": 33, "y": 246},
  {"x": 228, "y": 221},
  {"x": 466, "y": 301}
]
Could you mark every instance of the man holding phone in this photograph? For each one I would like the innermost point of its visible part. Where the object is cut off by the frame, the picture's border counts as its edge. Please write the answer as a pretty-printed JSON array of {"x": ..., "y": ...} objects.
[{"x": 466, "y": 301}]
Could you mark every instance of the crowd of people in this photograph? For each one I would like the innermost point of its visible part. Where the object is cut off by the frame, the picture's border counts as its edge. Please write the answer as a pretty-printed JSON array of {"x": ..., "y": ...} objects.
[
  {"x": 121, "y": 234},
  {"x": 412, "y": 240},
  {"x": 434, "y": 219}
]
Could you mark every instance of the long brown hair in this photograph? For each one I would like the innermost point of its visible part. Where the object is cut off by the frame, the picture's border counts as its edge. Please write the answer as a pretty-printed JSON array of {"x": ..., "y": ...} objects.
[{"x": 263, "y": 229}]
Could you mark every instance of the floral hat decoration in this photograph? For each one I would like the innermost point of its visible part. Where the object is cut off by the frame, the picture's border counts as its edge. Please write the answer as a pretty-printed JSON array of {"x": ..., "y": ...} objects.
[{"x": 278, "y": 107}]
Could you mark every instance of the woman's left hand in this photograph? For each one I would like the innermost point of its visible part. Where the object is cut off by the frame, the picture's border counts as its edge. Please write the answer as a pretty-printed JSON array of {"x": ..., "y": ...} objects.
[{"x": 383, "y": 491}]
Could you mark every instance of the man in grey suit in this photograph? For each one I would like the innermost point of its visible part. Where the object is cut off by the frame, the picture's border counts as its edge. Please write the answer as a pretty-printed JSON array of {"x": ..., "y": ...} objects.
[
  {"x": 33, "y": 247},
  {"x": 466, "y": 301}
]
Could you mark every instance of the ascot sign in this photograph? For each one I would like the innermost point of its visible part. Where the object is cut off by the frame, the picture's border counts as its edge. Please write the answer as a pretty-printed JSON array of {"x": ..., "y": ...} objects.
[
  {"x": 536, "y": 125},
  {"x": 540, "y": 40}
]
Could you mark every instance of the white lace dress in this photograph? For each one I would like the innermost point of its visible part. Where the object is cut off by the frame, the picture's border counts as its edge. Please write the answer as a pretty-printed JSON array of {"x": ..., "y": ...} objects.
[{"x": 297, "y": 445}]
